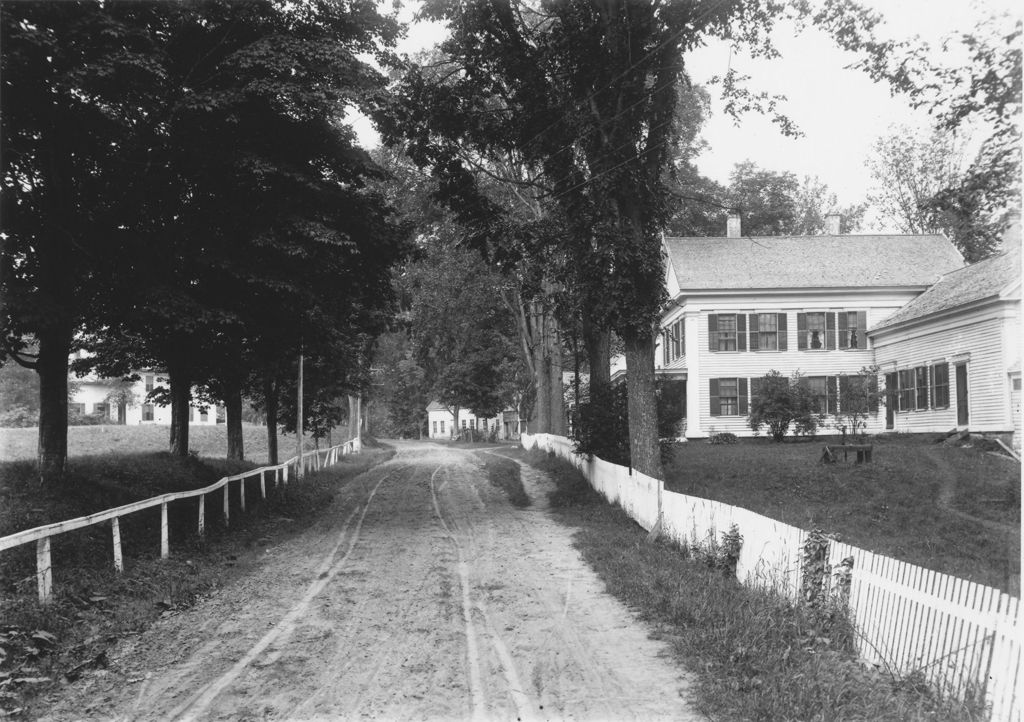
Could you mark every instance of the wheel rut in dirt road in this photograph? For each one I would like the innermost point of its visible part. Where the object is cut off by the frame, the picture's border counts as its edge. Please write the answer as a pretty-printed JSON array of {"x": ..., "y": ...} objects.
[{"x": 423, "y": 593}]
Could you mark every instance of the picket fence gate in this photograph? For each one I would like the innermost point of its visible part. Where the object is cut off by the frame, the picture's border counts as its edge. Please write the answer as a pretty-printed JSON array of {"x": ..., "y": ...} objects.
[
  {"x": 278, "y": 474},
  {"x": 962, "y": 638}
]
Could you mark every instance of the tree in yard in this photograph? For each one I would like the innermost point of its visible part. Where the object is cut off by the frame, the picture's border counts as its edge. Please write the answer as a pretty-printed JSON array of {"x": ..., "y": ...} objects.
[
  {"x": 982, "y": 94},
  {"x": 859, "y": 397},
  {"x": 778, "y": 402}
]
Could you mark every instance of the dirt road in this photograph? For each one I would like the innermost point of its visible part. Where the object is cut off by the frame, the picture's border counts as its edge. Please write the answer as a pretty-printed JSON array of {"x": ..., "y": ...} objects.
[{"x": 422, "y": 595}]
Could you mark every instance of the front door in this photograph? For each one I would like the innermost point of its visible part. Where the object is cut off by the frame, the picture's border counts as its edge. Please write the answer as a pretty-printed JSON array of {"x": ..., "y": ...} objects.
[
  {"x": 890, "y": 401},
  {"x": 962, "y": 416}
]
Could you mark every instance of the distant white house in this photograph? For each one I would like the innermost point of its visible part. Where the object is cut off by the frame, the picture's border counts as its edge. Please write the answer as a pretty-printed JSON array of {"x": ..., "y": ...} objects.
[
  {"x": 120, "y": 403},
  {"x": 439, "y": 423}
]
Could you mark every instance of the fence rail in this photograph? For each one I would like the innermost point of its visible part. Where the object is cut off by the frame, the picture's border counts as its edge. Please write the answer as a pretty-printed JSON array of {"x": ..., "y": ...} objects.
[
  {"x": 962, "y": 637},
  {"x": 310, "y": 461}
]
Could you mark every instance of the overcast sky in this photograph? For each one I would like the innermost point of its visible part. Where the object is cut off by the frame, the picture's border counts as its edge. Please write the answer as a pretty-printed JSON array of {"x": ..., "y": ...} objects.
[{"x": 840, "y": 111}]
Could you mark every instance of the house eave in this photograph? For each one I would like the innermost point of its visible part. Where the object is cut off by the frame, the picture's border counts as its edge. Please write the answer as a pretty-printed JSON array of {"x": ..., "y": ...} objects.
[{"x": 940, "y": 315}]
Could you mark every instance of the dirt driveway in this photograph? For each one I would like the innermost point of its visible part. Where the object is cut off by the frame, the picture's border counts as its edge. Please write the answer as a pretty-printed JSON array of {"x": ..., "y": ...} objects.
[{"x": 423, "y": 594}]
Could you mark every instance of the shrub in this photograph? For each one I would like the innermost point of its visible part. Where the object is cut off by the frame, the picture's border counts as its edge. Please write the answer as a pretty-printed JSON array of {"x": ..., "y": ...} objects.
[
  {"x": 724, "y": 437},
  {"x": 778, "y": 402},
  {"x": 19, "y": 417},
  {"x": 602, "y": 427}
]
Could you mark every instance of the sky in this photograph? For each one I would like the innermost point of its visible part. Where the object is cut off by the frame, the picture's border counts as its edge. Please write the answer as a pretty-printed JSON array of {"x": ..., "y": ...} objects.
[{"x": 840, "y": 111}]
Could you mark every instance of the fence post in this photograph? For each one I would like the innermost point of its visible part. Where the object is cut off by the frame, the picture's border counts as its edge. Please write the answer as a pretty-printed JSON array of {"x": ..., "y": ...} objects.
[
  {"x": 44, "y": 575},
  {"x": 263, "y": 484},
  {"x": 202, "y": 514},
  {"x": 241, "y": 491},
  {"x": 284, "y": 474},
  {"x": 227, "y": 515},
  {"x": 115, "y": 530},
  {"x": 163, "y": 531}
]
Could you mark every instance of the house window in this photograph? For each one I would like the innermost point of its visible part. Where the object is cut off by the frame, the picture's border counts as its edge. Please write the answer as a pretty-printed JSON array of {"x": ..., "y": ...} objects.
[
  {"x": 442, "y": 426},
  {"x": 147, "y": 412},
  {"x": 729, "y": 397},
  {"x": 204, "y": 415},
  {"x": 812, "y": 331},
  {"x": 463, "y": 423},
  {"x": 852, "y": 326},
  {"x": 823, "y": 392},
  {"x": 940, "y": 386},
  {"x": 767, "y": 332},
  {"x": 1016, "y": 384},
  {"x": 853, "y": 396},
  {"x": 921, "y": 383},
  {"x": 434, "y": 427},
  {"x": 675, "y": 335},
  {"x": 907, "y": 392},
  {"x": 727, "y": 332},
  {"x": 77, "y": 409},
  {"x": 100, "y": 409},
  {"x": 149, "y": 384}
]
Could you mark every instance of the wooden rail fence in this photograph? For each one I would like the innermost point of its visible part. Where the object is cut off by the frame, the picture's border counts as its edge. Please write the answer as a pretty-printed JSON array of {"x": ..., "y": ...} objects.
[
  {"x": 279, "y": 473},
  {"x": 962, "y": 638}
]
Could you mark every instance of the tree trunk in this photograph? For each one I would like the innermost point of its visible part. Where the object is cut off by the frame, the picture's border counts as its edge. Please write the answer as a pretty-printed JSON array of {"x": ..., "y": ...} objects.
[
  {"x": 542, "y": 369},
  {"x": 556, "y": 422},
  {"x": 455, "y": 422},
  {"x": 353, "y": 417},
  {"x": 233, "y": 412},
  {"x": 270, "y": 394},
  {"x": 52, "y": 367},
  {"x": 598, "y": 344},
  {"x": 181, "y": 395},
  {"x": 642, "y": 404}
]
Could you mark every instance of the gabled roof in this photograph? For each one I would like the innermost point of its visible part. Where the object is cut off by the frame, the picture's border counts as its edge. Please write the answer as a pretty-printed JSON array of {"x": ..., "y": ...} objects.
[
  {"x": 436, "y": 405},
  {"x": 810, "y": 261},
  {"x": 983, "y": 280}
]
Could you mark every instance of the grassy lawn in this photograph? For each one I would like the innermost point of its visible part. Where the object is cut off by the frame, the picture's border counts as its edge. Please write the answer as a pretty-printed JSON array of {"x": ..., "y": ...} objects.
[
  {"x": 954, "y": 510},
  {"x": 93, "y": 605},
  {"x": 206, "y": 441},
  {"x": 755, "y": 656}
]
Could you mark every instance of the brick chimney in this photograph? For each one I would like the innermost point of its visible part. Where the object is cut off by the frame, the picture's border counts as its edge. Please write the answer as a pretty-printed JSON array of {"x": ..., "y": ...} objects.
[
  {"x": 732, "y": 226},
  {"x": 833, "y": 223}
]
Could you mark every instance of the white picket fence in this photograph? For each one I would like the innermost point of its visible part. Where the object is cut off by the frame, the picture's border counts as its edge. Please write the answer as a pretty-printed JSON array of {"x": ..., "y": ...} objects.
[
  {"x": 961, "y": 636},
  {"x": 278, "y": 475}
]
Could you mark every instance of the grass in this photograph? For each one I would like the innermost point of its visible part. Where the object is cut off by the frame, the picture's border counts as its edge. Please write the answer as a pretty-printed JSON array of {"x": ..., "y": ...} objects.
[
  {"x": 205, "y": 441},
  {"x": 954, "y": 510},
  {"x": 756, "y": 656},
  {"x": 505, "y": 474},
  {"x": 93, "y": 606}
]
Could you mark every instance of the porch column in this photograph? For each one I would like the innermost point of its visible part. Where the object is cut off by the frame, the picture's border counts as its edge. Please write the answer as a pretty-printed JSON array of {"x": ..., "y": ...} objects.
[{"x": 696, "y": 385}]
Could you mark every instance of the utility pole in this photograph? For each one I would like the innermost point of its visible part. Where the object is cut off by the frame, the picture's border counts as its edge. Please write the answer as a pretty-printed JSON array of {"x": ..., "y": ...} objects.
[{"x": 299, "y": 467}]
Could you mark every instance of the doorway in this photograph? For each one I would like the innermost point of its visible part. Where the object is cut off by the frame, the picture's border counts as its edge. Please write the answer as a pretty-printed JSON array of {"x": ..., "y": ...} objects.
[{"x": 962, "y": 413}]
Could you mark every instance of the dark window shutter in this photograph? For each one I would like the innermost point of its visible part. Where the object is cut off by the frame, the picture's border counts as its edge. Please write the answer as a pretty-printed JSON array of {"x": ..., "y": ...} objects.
[
  {"x": 664, "y": 347},
  {"x": 753, "y": 332},
  {"x": 830, "y": 331},
  {"x": 716, "y": 403},
  {"x": 744, "y": 405},
  {"x": 783, "y": 333},
  {"x": 713, "y": 331},
  {"x": 741, "y": 332},
  {"x": 873, "y": 398},
  {"x": 830, "y": 395},
  {"x": 682, "y": 337},
  {"x": 862, "y": 327},
  {"x": 844, "y": 332},
  {"x": 801, "y": 331},
  {"x": 844, "y": 392}
]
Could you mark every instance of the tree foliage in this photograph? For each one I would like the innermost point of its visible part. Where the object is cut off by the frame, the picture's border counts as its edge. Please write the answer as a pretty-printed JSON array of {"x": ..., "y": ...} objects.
[{"x": 778, "y": 402}]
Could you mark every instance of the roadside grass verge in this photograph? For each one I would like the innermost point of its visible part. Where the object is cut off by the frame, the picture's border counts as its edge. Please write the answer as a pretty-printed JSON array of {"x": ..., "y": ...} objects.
[
  {"x": 93, "y": 606},
  {"x": 505, "y": 474},
  {"x": 951, "y": 509},
  {"x": 756, "y": 656}
]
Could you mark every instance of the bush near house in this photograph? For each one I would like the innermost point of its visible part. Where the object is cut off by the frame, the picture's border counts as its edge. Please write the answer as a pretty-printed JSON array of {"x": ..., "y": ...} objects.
[{"x": 950, "y": 509}]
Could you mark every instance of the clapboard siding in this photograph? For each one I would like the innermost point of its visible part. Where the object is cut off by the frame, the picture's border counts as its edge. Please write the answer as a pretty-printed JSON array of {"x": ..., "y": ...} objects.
[
  {"x": 754, "y": 364},
  {"x": 975, "y": 337}
]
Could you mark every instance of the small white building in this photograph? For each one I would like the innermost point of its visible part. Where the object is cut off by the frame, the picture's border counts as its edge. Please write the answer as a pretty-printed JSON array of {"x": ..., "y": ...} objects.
[
  {"x": 122, "y": 402},
  {"x": 439, "y": 423}
]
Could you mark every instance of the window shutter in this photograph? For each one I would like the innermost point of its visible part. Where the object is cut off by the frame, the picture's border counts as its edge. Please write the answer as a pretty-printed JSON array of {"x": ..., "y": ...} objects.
[
  {"x": 712, "y": 331},
  {"x": 844, "y": 331},
  {"x": 753, "y": 332},
  {"x": 741, "y": 332},
  {"x": 783, "y": 333},
  {"x": 862, "y": 327},
  {"x": 682, "y": 338},
  {"x": 830, "y": 331},
  {"x": 716, "y": 403},
  {"x": 801, "y": 331},
  {"x": 744, "y": 405},
  {"x": 844, "y": 392},
  {"x": 830, "y": 395},
  {"x": 664, "y": 347},
  {"x": 873, "y": 398}
]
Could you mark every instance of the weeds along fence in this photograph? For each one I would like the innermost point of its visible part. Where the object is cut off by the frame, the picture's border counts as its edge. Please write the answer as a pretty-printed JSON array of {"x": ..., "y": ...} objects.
[
  {"x": 278, "y": 475},
  {"x": 961, "y": 638}
]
